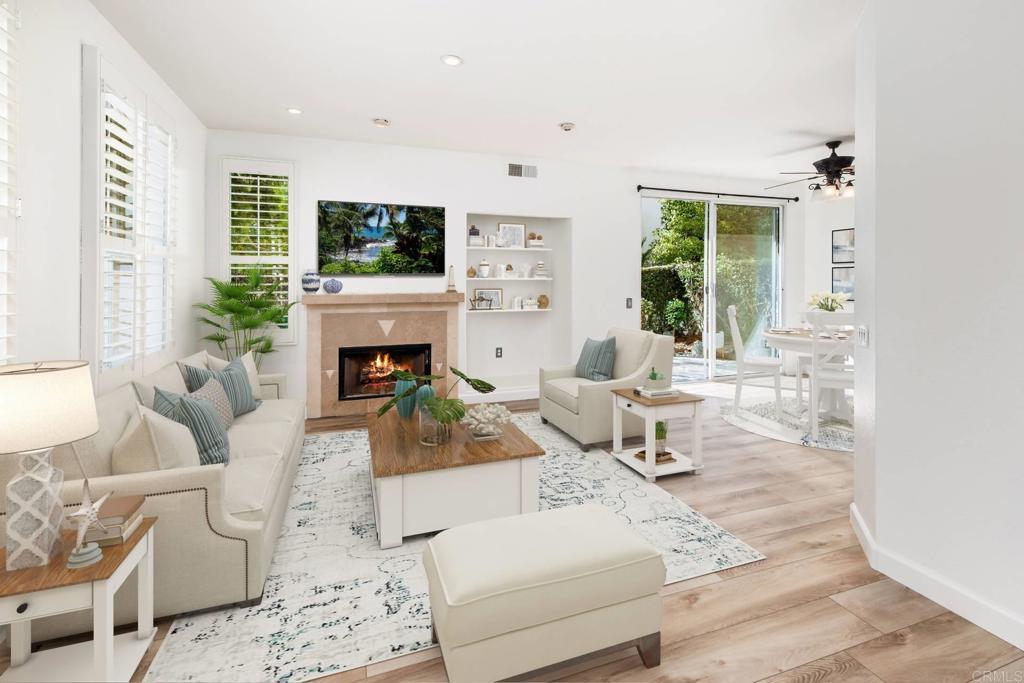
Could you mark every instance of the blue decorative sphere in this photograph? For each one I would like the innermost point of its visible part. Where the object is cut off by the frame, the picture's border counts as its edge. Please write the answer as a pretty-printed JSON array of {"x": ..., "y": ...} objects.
[{"x": 332, "y": 286}]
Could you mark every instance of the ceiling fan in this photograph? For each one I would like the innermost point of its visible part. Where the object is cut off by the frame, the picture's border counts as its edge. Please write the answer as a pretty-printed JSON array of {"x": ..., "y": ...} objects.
[{"x": 833, "y": 175}]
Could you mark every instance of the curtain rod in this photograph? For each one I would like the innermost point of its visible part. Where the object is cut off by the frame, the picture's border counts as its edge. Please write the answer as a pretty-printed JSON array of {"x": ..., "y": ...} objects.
[{"x": 640, "y": 188}]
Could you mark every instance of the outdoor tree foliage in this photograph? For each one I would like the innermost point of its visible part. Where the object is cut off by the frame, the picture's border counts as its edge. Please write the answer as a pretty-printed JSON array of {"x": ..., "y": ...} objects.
[{"x": 672, "y": 273}]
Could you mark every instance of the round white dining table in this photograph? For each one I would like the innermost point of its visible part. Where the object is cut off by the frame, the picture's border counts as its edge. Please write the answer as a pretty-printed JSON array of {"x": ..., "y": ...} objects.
[{"x": 799, "y": 342}]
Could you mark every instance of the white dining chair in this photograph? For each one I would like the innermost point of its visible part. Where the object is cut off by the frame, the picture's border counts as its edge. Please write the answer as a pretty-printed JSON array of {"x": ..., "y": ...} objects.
[
  {"x": 831, "y": 349},
  {"x": 754, "y": 364}
]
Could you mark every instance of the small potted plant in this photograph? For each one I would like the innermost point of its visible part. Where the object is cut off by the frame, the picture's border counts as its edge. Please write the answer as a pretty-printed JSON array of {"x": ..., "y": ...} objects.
[
  {"x": 660, "y": 434},
  {"x": 657, "y": 380},
  {"x": 437, "y": 414}
]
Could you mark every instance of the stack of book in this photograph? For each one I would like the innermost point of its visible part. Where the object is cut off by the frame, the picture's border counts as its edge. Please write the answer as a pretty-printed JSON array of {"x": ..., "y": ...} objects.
[
  {"x": 667, "y": 392},
  {"x": 121, "y": 516}
]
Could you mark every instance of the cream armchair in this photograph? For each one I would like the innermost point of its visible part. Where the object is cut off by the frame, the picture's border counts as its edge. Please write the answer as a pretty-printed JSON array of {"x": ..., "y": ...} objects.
[{"x": 582, "y": 408}]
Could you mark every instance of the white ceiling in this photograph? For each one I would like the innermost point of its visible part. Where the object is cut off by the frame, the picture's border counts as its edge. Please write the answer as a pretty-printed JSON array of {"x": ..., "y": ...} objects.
[{"x": 721, "y": 87}]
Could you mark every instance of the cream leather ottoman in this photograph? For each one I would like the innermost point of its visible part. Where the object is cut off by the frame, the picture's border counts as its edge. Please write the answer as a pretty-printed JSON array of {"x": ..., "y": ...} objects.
[{"x": 515, "y": 594}]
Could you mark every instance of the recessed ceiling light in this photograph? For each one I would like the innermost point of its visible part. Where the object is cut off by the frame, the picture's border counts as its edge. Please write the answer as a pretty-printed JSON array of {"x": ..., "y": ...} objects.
[
  {"x": 567, "y": 126},
  {"x": 381, "y": 122},
  {"x": 451, "y": 60},
  {"x": 294, "y": 110}
]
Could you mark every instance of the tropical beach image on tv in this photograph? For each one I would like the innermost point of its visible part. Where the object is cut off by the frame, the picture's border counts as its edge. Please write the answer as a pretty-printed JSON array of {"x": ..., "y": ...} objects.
[{"x": 380, "y": 239}]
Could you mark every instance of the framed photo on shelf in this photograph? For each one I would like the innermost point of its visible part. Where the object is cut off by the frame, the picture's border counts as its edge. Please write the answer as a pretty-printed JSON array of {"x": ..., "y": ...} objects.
[
  {"x": 842, "y": 281},
  {"x": 487, "y": 299},
  {"x": 511, "y": 235},
  {"x": 842, "y": 245}
]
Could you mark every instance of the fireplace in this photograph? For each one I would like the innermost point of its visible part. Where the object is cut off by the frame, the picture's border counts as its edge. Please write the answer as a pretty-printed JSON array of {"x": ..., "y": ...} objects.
[{"x": 365, "y": 370}]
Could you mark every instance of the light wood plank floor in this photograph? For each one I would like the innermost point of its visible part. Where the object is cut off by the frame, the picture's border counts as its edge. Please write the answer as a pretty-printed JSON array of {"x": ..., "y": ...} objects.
[{"x": 814, "y": 611}]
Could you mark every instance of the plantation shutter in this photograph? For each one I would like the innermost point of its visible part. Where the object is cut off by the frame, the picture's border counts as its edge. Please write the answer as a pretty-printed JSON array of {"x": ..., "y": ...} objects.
[
  {"x": 8, "y": 196},
  {"x": 259, "y": 225},
  {"x": 136, "y": 229}
]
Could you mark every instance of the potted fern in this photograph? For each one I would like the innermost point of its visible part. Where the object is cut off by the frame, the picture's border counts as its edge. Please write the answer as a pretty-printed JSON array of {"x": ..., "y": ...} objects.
[
  {"x": 242, "y": 312},
  {"x": 437, "y": 414}
]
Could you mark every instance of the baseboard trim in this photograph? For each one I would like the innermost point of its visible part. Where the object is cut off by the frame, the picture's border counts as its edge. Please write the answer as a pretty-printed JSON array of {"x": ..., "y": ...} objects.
[{"x": 953, "y": 596}]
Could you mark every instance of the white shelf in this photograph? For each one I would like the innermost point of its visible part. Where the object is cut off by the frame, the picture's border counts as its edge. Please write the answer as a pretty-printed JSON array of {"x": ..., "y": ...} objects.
[
  {"x": 509, "y": 279},
  {"x": 511, "y": 310},
  {"x": 508, "y": 248}
]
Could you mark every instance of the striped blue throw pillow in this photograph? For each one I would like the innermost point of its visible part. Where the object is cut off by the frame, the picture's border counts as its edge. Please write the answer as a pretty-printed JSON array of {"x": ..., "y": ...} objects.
[
  {"x": 201, "y": 418},
  {"x": 233, "y": 378},
  {"x": 596, "y": 360}
]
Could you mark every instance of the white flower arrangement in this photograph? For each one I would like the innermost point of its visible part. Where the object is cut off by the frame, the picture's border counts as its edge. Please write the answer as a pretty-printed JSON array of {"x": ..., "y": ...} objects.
[
  {"x": 486, "y": 419},
  {"x": 827, "y": 301}
]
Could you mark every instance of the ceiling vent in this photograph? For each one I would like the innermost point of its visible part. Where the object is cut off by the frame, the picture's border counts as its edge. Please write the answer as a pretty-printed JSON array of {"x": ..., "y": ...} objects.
[{"x": 522, "y": 171}]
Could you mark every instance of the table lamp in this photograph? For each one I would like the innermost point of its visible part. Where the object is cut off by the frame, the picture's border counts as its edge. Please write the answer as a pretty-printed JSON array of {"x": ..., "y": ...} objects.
[{"x": 42, "y": 405}]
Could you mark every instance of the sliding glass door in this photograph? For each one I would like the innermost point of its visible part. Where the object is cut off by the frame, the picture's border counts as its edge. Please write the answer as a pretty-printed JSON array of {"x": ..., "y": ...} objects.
[
  {"x": 700, "y": 257},
  {"x": 745, "y": 251}
]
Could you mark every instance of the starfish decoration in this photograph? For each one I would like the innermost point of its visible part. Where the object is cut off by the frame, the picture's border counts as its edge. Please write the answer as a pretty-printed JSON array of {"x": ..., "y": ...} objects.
[{"x": 88, "y": 513}]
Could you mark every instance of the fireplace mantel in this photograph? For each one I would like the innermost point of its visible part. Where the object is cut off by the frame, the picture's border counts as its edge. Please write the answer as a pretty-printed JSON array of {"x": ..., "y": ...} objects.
[
  {"x": 397, "y": 298},
  {"x": 336, "y": 321}
]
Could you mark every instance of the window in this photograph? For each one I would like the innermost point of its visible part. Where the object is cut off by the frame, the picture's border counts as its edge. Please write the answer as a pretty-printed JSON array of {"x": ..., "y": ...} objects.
[
  {"x": 258, "y": 217},
  {"x": 132, "y": 241},
  {"x": 8, "y": 198}
]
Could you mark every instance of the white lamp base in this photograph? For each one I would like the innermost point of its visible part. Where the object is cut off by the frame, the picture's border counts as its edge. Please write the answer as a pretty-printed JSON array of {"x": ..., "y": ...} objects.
[{"x": 34, "y": 512}]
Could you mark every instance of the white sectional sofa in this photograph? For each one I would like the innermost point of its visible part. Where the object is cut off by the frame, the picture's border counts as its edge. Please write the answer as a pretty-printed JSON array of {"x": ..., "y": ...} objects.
[{"x": 218, "y": 524}]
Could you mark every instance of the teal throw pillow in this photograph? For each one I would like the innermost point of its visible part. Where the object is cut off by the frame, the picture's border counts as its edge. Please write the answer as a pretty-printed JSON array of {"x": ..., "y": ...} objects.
[
  {"x": 596, "y": 359},
  {"x": 233, "y": 378},
  {"x": 201, "y": 418}
]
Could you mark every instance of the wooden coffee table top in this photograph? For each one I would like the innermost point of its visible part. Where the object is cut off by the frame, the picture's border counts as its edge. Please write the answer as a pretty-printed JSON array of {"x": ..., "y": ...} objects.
[
  {"x": 652, "y": 402},
  {"x": 56, "y": 574},
  {"x": 395, "y": 447}
]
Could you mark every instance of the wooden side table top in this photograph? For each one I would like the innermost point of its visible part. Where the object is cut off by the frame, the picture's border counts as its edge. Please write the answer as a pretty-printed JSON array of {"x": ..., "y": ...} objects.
[
  {"x": 395, "y": 447},
  {"x": 653, "y": 402},
  {"x": 56, "y": 574}
]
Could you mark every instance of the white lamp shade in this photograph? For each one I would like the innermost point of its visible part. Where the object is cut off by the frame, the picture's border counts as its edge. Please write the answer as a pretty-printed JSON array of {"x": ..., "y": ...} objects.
[{"x": 45, "y": 404}]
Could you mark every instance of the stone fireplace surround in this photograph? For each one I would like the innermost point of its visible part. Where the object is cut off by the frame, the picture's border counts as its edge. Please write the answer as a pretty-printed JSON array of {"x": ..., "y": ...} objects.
[{"x": 335, "y": 321}]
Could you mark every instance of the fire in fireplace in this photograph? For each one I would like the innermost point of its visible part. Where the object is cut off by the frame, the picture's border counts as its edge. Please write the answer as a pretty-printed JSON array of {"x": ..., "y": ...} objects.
[{"x": 366, "y": 370}]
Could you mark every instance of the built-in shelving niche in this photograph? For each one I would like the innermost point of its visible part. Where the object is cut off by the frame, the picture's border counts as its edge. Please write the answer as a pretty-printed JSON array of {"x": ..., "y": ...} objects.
[{"x": 529, "y": 339}]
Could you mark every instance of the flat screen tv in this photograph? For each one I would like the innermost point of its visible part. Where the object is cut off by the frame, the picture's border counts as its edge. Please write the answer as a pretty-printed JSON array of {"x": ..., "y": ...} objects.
[{"x": 380, "y": 239}]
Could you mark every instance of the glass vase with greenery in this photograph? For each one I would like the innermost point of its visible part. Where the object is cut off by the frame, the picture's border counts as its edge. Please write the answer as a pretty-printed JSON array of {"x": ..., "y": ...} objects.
[
  {"x": 242, "y": 312},
  {"x": 437, "y": 413}
]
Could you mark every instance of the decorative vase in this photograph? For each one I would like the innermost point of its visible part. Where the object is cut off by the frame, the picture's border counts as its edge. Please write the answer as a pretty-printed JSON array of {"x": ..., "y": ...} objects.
[
  {"x": 34, "y": 512},
  {"x": 407, "y": 405},
  {"x": 543, "y": 301},
  {"x": 484, "y": 269},
  {"x": 659, "y": 446},
  {"x": 311, "y": 282},
  {"x": 332, "y": 286},
  {"x": 423, "y": 392},
  {"x": 432, "y": 432}
]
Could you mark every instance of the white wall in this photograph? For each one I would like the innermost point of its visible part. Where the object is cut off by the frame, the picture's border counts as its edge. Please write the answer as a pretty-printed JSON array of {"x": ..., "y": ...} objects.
[
  {"x": 820, "y": 219},
  {"x": 939, "y": 469},
  {"x": 601, "y": 201},
  {"x": 49, "y": 176}
]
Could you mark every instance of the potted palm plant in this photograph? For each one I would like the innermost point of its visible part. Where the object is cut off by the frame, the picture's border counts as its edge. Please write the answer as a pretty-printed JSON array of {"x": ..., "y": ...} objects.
[
  {"x": 437, "y": 414},
  {"x": 242, "y": 312}
]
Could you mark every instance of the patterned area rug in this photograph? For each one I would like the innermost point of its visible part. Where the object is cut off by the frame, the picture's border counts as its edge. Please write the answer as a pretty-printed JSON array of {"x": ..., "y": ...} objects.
[
  {"x": 334, "y": 600},
  {"x": 760, "y": 418}
]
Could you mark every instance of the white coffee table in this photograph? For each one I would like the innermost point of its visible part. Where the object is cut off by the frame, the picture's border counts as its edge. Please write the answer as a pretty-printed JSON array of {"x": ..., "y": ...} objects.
[
  {"x": 418, "y": 489},
  {"x": 653, "y": 410}
]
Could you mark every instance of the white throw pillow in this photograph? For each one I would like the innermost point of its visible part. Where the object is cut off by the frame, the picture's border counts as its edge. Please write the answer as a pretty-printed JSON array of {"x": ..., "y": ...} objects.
[
  {"x": 153, "y": 442},
  {"x": 251, "y": 372}
]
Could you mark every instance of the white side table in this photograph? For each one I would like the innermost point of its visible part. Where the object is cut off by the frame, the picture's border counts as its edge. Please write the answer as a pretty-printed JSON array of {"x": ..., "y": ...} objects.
[
  {"x": 28, "y": 594},
  {"x": 653, "y": 410}
]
